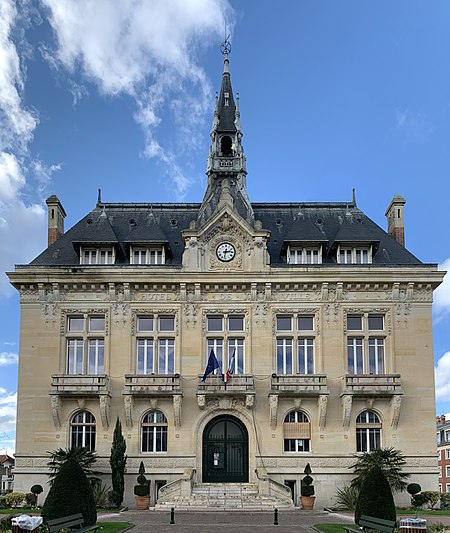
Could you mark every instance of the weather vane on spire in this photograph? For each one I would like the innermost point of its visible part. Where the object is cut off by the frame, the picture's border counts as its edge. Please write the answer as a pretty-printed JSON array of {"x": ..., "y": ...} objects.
[{"x": 225, "y": 47}]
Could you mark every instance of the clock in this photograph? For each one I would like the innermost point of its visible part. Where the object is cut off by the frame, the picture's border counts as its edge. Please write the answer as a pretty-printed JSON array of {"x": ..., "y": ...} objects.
[{"x": 225, "y": 251}]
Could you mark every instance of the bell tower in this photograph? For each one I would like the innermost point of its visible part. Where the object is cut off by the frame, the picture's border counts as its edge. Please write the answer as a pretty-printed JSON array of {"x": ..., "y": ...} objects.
[{"x": 226, "y": 161}]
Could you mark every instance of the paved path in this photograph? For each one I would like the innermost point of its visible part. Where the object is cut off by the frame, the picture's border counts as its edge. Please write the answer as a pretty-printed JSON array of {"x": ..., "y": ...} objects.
[{"x": 225, "y": 521}]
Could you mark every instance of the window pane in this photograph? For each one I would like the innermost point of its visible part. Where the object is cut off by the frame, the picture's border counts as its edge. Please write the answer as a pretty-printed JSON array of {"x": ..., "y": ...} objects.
[
  {"x": 75, "y": 323},
  {"x": 215, "y": 323},
  {"x": 376, "y": 356},
  {"x": 236, "y": 348},
  {"x": 355, "y": 356},
  {"x": 97, "y": 323},
  {"x": 284, "y": 356},
  {"x": 236, "y": 323},
  {"x": 305, "y": 356},
  {"x": 75, "y": 356},
  {"x": 305, "y": 323},
  {"x": 354, "y": 322},
  {"x": 284, "y": 323},
  {"x": 145, "y": 356},
  {"x": 145, "y": 323},
  {"x": 217, "y": 346},
  {"x": 376, "y": 322},
  {"x": 166, "y": 356},
  {"x": 166, "y": 323},
  {"x": 96, "y": 363}
]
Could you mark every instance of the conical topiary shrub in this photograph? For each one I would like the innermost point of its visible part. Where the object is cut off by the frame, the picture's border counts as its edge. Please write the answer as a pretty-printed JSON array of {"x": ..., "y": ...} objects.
[
  {"x": 375, "y": 497},
  {"x": 70, "y": 493}
]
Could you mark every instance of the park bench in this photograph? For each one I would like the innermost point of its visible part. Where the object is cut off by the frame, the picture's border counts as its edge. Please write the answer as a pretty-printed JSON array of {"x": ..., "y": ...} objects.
[
  {"x": 370, "y": 522},
  {"x": 73, "y": 522}
]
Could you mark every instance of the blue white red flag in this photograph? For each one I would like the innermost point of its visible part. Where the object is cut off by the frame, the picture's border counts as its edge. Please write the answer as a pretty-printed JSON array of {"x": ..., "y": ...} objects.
[
  {"x": 230, "y": 370},
  {"x": 212, "y": 364}
]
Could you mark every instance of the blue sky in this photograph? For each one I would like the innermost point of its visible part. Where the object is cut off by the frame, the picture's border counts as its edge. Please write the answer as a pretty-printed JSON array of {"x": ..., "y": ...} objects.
[{"x": 118, "y": 95}]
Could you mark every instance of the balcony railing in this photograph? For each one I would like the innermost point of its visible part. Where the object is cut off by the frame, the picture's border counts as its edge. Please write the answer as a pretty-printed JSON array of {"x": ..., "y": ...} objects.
[
  {"x": 238, "y": 384},
  {"x": 299, "y": 384},
  {"x": 152, "y": 384},
  {"x": 79, "y": 385},
  {"x": 372, "y": 384}
]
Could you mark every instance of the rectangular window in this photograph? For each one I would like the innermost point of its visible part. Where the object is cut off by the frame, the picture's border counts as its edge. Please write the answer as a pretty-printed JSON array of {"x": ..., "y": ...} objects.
[
  {"x": 75, "y": 356},
  {"x": 96, "y": 363},
  {"x": 145, "y": 356},
  {"x": 215, "y": 323},
  {"x": 147, "y": 256},
  {"x": 361, "y": 256},
  {"x": 305, "y": 323},
  {"x": 236, "y": 348},
  {"x": 236, "y": 323},
  {"x": 140, "y": 257},
  {"x": 376, "y": 322},
  {"x": 447, "y": 454},
  {"x": 284, "y": 356},
  {"x": 97, "y": 256},
  {"x": 217, "y": 346},
  {"x": 154, "y": 439},
  {"x": 305, "y": 363},
  {"x": 166, "y": 356},
  {"x": 296, "y": 445},
  {"x": 447, "y": 471},
  {"x": 354, "y": 322},
  {"x": 145, "y": 323},
  {"x": 303, "y": 256},
  {"x": 167, "y": 323},
  {"x": 345, "y": 256},
  {"x": 447, "y": 487},
  {"x": 368, "y": 439},
  {"x": 97, "y": 323},
  {"x": 355, "y": 355},
  {"x": 284, "y": 323},
  {"x": 376, "y": 356},
  {"x": 75, "y": 323}
]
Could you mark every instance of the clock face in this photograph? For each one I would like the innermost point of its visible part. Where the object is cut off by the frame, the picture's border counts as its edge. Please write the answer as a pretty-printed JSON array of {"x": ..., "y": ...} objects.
[{"x": 226, "y": 251}]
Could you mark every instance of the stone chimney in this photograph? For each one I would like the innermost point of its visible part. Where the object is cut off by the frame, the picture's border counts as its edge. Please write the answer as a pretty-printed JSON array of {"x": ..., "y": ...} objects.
[
  {"x": 396, "y": 219},
  {"x": 56, "y": 216}
]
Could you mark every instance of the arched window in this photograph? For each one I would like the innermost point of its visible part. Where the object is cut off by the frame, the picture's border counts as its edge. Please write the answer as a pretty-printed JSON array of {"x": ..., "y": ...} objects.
[
  {"x": 226, "y": 145},
  {"x": 82, "y": 430},
  {"x": 296, "y": 432},
  {"x": 368, "y": 432},
  {"x": 154, "y": 432}
]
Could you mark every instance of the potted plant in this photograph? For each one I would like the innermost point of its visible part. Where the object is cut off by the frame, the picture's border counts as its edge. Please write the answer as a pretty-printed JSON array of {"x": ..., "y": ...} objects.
[
  {"x": 142, "y": 490},
  {"x": 307, "y": 497}
]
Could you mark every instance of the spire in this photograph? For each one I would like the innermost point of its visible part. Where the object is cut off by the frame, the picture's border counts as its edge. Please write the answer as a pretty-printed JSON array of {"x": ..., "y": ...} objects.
[{"x": 226, "y": 159}]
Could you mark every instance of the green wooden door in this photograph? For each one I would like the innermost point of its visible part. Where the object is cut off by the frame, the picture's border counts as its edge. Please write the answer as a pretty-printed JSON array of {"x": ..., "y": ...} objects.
[{"x": 225, "y": 451}]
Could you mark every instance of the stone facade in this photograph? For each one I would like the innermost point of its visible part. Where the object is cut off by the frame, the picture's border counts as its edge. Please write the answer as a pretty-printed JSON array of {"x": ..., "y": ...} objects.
[{"x": 88, "y": 320}]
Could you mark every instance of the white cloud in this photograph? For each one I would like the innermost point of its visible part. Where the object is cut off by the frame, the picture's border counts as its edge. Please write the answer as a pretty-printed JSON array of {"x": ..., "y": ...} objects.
[
  {"x": 11, "y": 177},
  {"x": 442, "y": 378},
  {"x": 8, "y": 358},
  {"x": 413, "y": 125},
  {"x": 145, "y": 50},
  {"x": 8, "y": 405},
  {"x": 17, "y": 123},
  {"x": 442, "y": 293}
]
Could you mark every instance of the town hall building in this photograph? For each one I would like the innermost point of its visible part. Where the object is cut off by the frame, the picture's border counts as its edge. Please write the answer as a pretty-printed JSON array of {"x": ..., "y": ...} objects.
[{"x": 317, "y": 320}]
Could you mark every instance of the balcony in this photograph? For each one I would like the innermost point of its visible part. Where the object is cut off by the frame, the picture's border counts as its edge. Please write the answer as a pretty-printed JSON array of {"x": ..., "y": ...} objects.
[
  {"x": 7, "y": 479},
  {"x": 299, "y": 385},
  {"x": 66, "y": 385},
  {"x": 213, "y": 389},
  {"x": 162, "y": 385},
  {"x": 363, "y": 385}
]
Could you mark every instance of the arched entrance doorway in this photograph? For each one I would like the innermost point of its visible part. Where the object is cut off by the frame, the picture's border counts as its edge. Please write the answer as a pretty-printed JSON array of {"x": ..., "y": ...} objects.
[{"x": 225, "y": 451}]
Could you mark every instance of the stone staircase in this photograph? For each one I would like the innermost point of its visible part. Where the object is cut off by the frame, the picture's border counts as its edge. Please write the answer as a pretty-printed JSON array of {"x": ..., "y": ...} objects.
[{"x": 227, "y": 496}]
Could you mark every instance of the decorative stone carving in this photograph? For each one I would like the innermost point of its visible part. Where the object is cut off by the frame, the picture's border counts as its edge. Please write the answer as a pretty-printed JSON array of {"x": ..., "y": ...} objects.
[
  {"x": 346, "y": 411},
  {"x": 153, "y": 311},
  {"x": 260, "y": 312},
  {"x": 128, "y": 404},
  {"x": 105, "y": 406},
  {"x": 56, "y": 405},
  {"x": 396, "y": 403},
  {"x": 331, "y": 313},
  {"x": 177, "y": 400},
  {"x": 273, "y": 408},
  {"x": 322, "y": 403},
  {"x": 249, "y": 401},
  {"x": 402, "y": 311},
  {"x": 201, "y": 401},
  {"x": 83, "y": 311},
  {"x": 28, "y": 293}
]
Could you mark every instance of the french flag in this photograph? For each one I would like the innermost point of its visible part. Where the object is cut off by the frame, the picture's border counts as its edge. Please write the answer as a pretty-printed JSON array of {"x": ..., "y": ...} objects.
[{"x": 230, "y": 370}]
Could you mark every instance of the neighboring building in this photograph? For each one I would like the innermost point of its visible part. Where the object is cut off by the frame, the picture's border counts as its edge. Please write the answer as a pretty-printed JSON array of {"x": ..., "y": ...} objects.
[
  {"x": 6, "y": 475},
  {"x": 325, "y": 317},
  {"x": 443, "y": 444}
]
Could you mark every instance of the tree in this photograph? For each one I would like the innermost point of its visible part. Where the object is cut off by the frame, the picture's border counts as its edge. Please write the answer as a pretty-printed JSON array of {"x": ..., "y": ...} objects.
[
  {"x": 375, "y": 497},
  {"x": 390, "y": 461},
  {"x": 85, "y": 457},
  {"x": 118, "y": 461},
  {"x": 70, "y": 493}
]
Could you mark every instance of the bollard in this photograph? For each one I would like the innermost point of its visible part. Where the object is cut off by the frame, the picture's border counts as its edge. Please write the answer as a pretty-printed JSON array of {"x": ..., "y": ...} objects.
[
  {"x": 275, "y": 517},
  {"x": 172, "y": 515}
]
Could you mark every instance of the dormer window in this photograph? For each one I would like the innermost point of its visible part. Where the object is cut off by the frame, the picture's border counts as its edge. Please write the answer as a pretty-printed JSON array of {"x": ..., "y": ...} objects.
[
  {"x": 97, "y": 256},
  {"x": 304, "y": 255},
  {"x": 227, "y": 101},
  {"x": 358, "y": 255},
  {"x": 147, "y": 255}
]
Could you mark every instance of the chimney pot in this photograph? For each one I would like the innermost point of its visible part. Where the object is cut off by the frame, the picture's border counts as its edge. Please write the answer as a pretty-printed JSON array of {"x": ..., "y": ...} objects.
[
  {"x": 56, "y": 216},
  {"x": 395, "y": 214}
]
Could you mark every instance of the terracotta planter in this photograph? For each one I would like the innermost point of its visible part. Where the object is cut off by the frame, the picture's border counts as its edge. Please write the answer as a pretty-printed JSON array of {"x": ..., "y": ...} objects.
[
  {"x": 307, "y": 502},
  {"x": 142, "y": 502}
]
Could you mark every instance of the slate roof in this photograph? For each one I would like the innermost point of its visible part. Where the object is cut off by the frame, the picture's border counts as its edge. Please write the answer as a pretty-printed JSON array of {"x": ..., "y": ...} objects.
[{"x": 326, "y": 223}]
